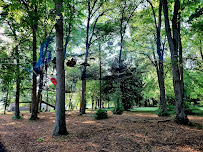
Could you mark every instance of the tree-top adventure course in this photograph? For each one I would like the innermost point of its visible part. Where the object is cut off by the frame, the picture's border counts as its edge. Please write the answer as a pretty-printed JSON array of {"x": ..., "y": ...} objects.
[{"x": 101, "y": 75}]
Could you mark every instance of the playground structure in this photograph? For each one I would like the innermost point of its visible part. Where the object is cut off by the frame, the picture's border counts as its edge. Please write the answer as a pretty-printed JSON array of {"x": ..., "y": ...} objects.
[{"x": 42, "y": 69}]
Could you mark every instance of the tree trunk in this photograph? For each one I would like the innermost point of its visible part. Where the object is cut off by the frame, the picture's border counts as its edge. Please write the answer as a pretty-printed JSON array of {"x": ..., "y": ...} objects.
[
  {"x": 60, "y": 120},
  {"x": 100, "y": 73},
  {"x": 180, "y": 56},
  {"x": 47, "y": 98},
  {"x": 34, "y": 108},
  {"x": 40, "y": 89},
  {"x": 180, "y": 110},
  {"x": 162, "y": 87},
  {"x": 6, "y": 102},
  {"x": 17, "y": 111},
  {"x": 83, "y": 103},
  {"x": 159, "y": 66},
  {"x": 83, "y": 77}
]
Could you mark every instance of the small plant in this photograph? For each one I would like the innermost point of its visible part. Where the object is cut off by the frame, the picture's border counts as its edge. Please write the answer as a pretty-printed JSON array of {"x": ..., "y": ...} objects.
[
  {"x": 100, "y": 114},
  {"x": 16, "y": 118},
  {"x": 41, "y": 139},
  {"x": 118, "y": 110}
]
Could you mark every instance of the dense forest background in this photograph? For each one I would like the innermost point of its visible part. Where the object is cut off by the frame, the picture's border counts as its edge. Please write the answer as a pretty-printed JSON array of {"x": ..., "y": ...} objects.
[{"x": 122, "y": 50}]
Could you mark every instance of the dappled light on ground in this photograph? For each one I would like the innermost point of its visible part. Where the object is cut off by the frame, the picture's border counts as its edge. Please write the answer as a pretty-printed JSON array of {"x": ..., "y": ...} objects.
[
  {"x": 88, "y": 122},
  {"x": 128, "y": 132}
]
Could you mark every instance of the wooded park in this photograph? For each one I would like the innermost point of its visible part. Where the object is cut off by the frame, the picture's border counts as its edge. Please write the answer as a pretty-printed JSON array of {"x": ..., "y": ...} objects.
[{"x": 101, "y": 75}]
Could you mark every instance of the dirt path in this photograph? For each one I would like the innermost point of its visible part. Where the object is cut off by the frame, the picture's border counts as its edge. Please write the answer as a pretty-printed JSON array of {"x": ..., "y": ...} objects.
[{"x": 130, "y": 132}]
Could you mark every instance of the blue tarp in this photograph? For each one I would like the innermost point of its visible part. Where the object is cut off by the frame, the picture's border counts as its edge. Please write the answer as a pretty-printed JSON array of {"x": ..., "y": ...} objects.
[{"x": 41, "y": 61}]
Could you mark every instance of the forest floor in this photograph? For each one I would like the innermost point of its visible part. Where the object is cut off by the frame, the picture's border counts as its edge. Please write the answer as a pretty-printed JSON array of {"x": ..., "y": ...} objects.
[{"x": 130, "y": 132}]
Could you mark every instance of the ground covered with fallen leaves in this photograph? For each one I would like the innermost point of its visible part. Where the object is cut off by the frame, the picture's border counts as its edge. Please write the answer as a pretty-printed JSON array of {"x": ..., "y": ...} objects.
[{"x": 130, "y": 132}]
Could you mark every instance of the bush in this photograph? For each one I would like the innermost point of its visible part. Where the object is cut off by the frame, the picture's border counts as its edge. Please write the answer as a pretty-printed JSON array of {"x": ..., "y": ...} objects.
[
  {"x": 16, "y": 118},
  {"x": 171, "y": 108},
  {"x": 162, "y": 113},
  {"x": 100, "y": 114},
  {"x": 201, "y": 103},
  {"x": 118, "y": 110},
  {"x": 189, "y": 109}
]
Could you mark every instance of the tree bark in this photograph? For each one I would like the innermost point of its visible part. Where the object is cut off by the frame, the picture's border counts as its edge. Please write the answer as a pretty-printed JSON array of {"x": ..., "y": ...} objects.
[
  {"x": 6, "y": 101},
  {"x": 159, "y": 66},
  {"x": 172, "y": 41},
  {"x": 17, "y": 111},
  {"x": 34, "y": 108},
  {"x": 180, "y": 56},
  {"x": 83, "y": 102},
  {"x": 60, "y": 120},
  {"x": 100, "y": 73},
  {"x": 83, "y": 77},
  {"x": 40, "y": 90}
]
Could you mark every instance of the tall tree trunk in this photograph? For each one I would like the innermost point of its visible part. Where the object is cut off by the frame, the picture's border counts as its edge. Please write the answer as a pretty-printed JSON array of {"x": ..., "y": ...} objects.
[
  {"x": 100, "y": 73},
  {"x": 159, "y": 66},
  {"x": 40, "y": 89},
  {"x": 6, "y": 101},
  {"x": 34, "y": 108},
  {"x": 60, "y": 120},
  {"x": 180, "y": 56},
  {"x": 160, "y": 53},
  {"x": 181, "y": 117},
  {"x": 83, "y": 102},
  {"x": 47, "y": 98},
  {"x": 83, "y": 77},
  {"x": 162, "y": 87},
  {"x": 17, "y": 111}
]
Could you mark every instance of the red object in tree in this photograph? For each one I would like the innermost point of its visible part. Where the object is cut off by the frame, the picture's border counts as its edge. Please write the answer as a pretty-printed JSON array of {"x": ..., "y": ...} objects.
[
  {"x": 22, "y": 114},
  {"x": 53, "y": 80}
]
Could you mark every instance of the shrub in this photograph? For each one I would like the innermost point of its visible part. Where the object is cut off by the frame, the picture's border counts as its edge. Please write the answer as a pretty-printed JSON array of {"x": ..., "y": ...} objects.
[
  {"x": 118, "y": 110},
  {"x": 100, "y": 114},
  {"x": 171, "y": 108},
  {"x": 189, "y": 109},
  {"x": 162, "y": 113},
  {"x": 16, "y": 118}
]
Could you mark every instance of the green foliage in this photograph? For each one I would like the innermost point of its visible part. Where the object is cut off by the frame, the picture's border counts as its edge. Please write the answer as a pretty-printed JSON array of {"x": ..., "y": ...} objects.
[
  {"x": 41, "y": 139},
  {"x": 171, "y": 108},
  {"x": 162, "y": 113},
  {"x": 100, "y": 114},
  {"x": 201, "y": 103},
  {"x": 16, "y": 118},
  {"x": 118, "y": 110},
  {"x": 192, "y": 110}
]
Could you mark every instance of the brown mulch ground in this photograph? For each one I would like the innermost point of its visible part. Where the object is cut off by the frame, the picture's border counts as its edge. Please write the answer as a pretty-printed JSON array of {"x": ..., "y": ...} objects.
[{"x": 130, "y": 132}]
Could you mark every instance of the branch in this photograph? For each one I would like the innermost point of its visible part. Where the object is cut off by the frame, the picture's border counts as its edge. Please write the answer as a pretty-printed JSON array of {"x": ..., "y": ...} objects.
[
  {"x": 14, "y": 33},
  {"x": 153, "y": 13},
  {"x": 25, "y": 4},
  {"x": 149, "y": 58},
  {"x": 95, "y": 1},
  {"x": 96, "y": 23},
  {"x": 96, "y": 10},
  {"x": 96, "y": 39}
]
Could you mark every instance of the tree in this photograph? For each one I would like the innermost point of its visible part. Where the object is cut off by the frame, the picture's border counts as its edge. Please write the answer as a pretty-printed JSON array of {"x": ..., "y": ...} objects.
[
  {"x": 126, "y": 11},
  {"x": 160, "y": 52},
  {"x": 173, "y": 40},
  {"x": 94, "y": 13},
  {"x": 60, "y": 121}
]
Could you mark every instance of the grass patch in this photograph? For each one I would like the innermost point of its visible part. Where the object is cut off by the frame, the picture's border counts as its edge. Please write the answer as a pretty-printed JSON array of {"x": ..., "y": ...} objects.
[
  {"x": 191, "y": 110},
  {"x": 145, "y": 109}
]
